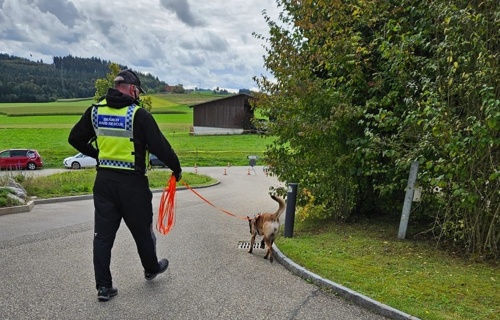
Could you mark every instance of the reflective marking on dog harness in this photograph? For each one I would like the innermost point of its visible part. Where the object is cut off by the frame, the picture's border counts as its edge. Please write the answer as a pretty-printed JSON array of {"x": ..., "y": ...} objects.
[{"x": 119, "y": 164}]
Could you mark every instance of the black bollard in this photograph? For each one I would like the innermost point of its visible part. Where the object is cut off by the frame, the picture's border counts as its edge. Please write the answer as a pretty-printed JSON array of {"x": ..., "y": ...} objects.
[{"x": 290, "y": 209}]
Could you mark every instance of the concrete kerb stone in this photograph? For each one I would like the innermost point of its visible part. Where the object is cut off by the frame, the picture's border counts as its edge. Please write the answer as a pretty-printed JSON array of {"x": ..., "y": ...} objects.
[
  {"x": 346, "y": 293},
  {"x": 18, "y": 209}
]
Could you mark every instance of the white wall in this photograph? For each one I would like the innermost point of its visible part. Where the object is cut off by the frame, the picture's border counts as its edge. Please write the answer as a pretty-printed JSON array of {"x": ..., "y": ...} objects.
[{"x": 214, "y": 131}]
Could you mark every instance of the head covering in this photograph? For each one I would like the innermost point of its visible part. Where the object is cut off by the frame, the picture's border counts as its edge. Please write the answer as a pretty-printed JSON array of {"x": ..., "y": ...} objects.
[{"x": 130, "y": 77}]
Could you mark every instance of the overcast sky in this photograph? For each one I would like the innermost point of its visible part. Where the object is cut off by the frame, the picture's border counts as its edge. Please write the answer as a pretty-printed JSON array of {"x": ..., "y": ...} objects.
[{"x": 197, "y": 43}]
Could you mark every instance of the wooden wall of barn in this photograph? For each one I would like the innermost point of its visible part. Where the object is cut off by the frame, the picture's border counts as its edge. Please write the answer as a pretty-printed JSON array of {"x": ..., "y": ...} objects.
[{"x": 232, "y": 112}]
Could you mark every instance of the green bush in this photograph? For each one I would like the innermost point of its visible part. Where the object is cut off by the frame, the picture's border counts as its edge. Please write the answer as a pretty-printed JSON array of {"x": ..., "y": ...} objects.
[{"x": 364, "y": 88}]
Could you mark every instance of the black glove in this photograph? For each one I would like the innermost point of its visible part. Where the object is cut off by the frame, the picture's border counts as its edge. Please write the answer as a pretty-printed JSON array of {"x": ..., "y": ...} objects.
[{"x": 178, "y": 175}]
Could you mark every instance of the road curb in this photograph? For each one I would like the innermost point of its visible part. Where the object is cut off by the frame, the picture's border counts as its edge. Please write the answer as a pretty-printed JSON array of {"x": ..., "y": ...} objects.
[
  {"x": 17, "y": 209},
  {"x": 346, "y": 293}
]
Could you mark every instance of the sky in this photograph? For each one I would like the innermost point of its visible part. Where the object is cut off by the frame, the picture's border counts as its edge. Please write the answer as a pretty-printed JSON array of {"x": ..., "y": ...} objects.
[{"x": 196, "y": 43}]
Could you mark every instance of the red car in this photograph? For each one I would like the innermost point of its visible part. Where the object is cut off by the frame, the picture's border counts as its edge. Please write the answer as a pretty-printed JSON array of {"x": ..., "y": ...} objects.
[{"x": 20, "y": 159}]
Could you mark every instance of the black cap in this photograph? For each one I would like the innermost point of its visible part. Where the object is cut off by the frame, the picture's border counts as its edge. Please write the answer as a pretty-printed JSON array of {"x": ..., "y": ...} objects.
[{"x": 130, "y": 77}]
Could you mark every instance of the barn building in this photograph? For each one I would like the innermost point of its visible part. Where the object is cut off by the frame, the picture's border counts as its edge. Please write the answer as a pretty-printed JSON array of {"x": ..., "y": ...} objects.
[{"x": 228, "y": 115}]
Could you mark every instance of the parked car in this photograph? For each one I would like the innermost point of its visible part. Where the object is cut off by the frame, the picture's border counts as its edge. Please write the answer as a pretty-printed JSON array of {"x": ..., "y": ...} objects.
[
  {"x": 79, "y": 161},
  {"x": 20, "y": 159},
  {"x": 155, "y": 162}
]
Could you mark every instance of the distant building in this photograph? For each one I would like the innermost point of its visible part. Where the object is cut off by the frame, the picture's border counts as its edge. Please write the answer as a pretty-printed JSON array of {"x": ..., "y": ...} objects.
[{"x": 228, "y": 115}]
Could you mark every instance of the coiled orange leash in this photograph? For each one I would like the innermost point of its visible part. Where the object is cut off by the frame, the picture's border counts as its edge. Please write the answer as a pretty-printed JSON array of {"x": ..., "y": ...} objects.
[{"x": 166, "y": 212}]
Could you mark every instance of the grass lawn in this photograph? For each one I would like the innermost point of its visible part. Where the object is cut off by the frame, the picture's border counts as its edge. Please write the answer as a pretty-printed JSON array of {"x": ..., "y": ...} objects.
[{"x": 410, "y": 275}]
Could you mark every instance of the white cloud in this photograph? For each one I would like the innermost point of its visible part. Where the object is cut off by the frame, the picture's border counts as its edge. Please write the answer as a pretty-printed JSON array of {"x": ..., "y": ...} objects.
[{"x": 195, "y": 43}]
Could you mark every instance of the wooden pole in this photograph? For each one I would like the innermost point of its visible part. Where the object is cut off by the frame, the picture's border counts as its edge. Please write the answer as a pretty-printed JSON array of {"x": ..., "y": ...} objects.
[{"x": 410, "y": 189}]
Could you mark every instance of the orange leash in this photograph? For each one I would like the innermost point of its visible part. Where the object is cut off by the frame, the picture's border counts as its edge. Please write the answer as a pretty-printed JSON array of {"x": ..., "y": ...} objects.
[
  {"x": 166, "y": 212},
  {"x": 201, "y": 197}
]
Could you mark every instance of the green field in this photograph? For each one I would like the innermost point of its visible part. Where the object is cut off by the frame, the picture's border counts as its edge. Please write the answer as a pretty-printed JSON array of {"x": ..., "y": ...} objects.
[{"x": 46, "y": 126}]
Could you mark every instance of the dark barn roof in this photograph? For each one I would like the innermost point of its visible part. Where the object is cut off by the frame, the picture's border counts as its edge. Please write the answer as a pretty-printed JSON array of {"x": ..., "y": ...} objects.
[{"x": 232, "y": 112}]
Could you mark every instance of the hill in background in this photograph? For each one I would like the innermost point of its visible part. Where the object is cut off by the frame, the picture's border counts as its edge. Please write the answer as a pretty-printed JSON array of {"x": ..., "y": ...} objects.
[{"x": 23, "y": 80}]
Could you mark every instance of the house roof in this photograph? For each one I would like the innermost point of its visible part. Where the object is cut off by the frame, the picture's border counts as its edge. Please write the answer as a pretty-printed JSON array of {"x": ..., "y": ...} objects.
[{"x": 223, "y": 98}]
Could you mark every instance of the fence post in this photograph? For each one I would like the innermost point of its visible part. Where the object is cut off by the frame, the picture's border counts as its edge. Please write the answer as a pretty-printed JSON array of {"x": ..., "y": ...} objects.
[
  {"x": 410, "y": 189},
  {"x": 290, "y": 209}
]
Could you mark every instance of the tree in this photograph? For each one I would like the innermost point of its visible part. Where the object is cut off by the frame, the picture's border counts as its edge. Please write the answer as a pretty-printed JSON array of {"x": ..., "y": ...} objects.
[
  {"x": 102, "y": 85},
  {"x": 147, "y": 103},
  {"x": 178, "y": 89}
]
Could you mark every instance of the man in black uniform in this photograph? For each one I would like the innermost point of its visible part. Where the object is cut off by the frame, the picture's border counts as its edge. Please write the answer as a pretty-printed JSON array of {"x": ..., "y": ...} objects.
[{"x": 124, "y": 134}]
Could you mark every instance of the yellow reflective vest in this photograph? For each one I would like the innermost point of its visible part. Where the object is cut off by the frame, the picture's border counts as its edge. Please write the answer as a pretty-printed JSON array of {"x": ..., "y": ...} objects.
[{"x": 115, "y": 135}]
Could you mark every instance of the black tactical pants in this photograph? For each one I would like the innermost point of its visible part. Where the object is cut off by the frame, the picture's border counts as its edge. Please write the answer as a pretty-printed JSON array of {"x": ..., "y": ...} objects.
[{"x": 114, "y": 200}]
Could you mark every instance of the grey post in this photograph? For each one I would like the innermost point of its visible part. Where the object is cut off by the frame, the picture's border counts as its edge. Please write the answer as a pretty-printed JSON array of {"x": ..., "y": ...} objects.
[
  {"x": 290, "y": 209},
  {"x": 252, "y": 162},
  {"x": 410, "y": 189}
]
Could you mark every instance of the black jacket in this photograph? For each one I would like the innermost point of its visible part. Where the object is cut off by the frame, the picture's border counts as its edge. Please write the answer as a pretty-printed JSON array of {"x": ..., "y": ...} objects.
[{"x": 147, "y": 136}]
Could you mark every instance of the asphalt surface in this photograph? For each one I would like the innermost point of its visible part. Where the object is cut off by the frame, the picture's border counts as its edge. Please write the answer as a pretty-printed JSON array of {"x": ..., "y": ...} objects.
[{"x": 46, "y": 266}]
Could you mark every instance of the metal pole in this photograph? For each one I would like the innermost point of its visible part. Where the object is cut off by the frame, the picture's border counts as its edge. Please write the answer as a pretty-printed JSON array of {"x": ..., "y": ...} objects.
[
  {"x": 290, "y": 209},
  {"x": 410, "y": 189}
]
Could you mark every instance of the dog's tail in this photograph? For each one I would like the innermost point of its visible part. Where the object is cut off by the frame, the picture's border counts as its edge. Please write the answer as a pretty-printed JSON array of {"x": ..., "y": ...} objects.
[{"x": 281, "y": 208}]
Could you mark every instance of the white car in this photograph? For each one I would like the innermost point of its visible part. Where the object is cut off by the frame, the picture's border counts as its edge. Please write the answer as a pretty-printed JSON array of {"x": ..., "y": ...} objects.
[{"x": 79, "y": 161}]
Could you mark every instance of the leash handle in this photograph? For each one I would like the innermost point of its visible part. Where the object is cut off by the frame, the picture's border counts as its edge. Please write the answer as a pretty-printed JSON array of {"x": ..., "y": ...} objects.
[{"x": 208, "y": 202}]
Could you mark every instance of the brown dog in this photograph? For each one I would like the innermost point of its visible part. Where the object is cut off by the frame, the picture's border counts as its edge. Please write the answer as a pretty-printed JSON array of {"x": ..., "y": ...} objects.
[{"x": 266, "y": 225}]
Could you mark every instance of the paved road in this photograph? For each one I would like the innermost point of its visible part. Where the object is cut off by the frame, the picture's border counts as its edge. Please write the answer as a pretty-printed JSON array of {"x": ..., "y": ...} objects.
[{"x": 46, "y": 264}]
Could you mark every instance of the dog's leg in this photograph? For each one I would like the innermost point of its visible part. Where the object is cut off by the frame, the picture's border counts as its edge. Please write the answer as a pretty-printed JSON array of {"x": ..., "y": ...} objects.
[
  {"x": 262, "y": 244},
  {"x": 269, "y": 253},
  {"x": 252, "y": 242},
  {"x": 269, "y": 243}
]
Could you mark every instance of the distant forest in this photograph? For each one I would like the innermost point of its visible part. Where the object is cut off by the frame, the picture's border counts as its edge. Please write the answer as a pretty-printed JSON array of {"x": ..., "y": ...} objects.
[{"x": 22, "y": 80}]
